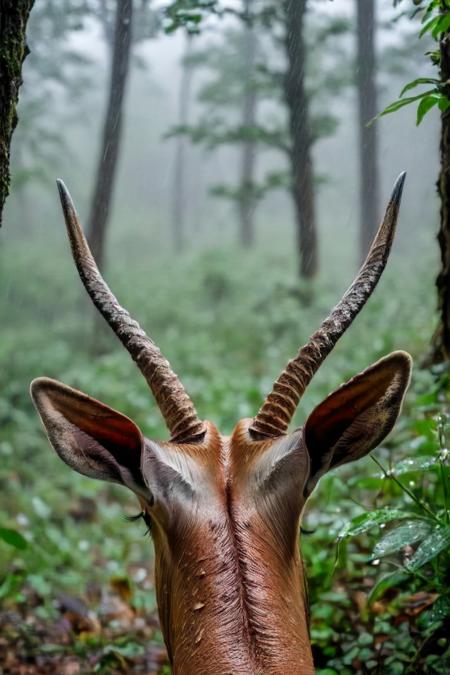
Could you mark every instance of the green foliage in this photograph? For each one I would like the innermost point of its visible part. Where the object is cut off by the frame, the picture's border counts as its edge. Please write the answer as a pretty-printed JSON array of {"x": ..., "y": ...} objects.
[
  {"x": 222, "y": 93},
  {"x": 60, "y": 77},
  {"x": 404, "y": 579},
  {"x": 189, "y": 14},
  {"x": 228, "y": 332},
  {"x": 13, "y": 538},
  {"x": 435, "y": 21}
]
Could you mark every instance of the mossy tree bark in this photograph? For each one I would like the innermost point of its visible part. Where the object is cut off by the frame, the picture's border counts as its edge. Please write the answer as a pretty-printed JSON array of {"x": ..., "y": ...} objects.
[
  {"x": 13, "y": 50},
  {"x": 302, "y": 188},
  {"x": 440, "y": 344}
]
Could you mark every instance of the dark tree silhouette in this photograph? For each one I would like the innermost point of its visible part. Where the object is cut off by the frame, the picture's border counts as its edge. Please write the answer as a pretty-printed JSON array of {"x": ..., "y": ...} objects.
[
  {"x": 301, "y": 137},
  {"x": 246, "y": 203},
  {"x": 440, "y": 344},
  {"x": 367, "y": 109},
  {"x": 13, "y": 50},
  {"x": 112, "y": 131},
  {"x": 179, "y": 187}
]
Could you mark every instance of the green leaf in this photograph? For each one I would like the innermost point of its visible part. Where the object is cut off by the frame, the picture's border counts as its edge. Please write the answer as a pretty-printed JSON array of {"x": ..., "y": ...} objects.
[
  {"x": 129, "y": 650},
  {"x": 385, "y": 583},
  {"x": 400, "y": 103},
  {"x": 413, "y": 464},
  {"x": 416, "y": 82},
  {"x": 440, "y": 610},
  {"x": 366, "y": 521},
  {"x": 442, "y": 25},
  {"x": 438, "y": 541},
  {"x": 443, "y": 103},
  {"x": 429, "y": 26},
  {"x": 401, "y": 536},
  {"x": 424, "y": 106},
  {"x": 13, "y": 538}
]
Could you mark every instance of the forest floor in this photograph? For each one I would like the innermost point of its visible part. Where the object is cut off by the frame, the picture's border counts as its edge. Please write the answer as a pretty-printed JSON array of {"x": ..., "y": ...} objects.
[
  {"x": 99, "y": 633},
  {"x": 76, "y": 580}
]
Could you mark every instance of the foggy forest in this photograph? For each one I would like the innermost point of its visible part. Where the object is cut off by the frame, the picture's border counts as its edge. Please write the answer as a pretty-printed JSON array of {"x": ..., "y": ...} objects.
[{"x": 230, "y": 162}]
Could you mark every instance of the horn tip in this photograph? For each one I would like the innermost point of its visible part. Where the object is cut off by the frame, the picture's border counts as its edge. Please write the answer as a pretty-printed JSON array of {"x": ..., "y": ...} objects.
[
  {"x": 64, "y": 194},
  {"x": 398, "y": 188},
  {"x": 61, "y": 185}
]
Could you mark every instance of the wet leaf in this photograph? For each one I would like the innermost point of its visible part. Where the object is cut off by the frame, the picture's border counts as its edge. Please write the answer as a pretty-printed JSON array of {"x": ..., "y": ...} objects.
[
  {"x": 439, "y": 611},
  {"x": 385, "y": 583},
  {"x": 404, "y": 535},
  {"x": 434, "y": 544},
  {"x": 413, "y": 464},
  {"x": 366, "y": 521}
]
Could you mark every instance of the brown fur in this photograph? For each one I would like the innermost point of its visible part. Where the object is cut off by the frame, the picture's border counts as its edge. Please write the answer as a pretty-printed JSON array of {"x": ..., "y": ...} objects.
[{"x": 229, "y": 577}]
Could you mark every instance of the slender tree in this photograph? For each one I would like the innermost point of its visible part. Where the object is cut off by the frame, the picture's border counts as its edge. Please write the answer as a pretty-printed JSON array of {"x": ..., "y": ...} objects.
[
  {"x": 367, "y": 109},
  {"x": 434, "y": 95},
  {"x": 440, "y": 344},
  {"x": 301, "y": 137},
  {"x": 179, "y": 177},
  {"x": 52, "y": 83},
  {"x": 13, "y": 50},
  {"x": 112, "y": 131},
  {"x": 304, "y": 96},
  {"x": 246, "y": 203}
]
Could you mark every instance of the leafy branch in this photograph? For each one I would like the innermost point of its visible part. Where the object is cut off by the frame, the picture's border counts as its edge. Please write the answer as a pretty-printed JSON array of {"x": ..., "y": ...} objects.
[{"x": 435, "y": 22}]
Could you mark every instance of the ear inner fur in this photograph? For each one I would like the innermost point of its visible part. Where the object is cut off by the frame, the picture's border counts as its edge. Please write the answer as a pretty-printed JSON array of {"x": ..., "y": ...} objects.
[
  {"x": 89, "y": 436},
  {"x": 352, "y": 420}
]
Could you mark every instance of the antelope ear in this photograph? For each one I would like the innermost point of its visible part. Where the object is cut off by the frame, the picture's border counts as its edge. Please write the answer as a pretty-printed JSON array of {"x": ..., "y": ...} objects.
[
  {"x": 355, "y": 418},
  {"x": 90, "y": 437}
]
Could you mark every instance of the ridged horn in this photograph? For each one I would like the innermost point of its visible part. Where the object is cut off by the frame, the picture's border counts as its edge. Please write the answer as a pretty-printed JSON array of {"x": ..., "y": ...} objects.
[
  {"x": 175, "y": 405},
  {"x": 279, "y": 407}
]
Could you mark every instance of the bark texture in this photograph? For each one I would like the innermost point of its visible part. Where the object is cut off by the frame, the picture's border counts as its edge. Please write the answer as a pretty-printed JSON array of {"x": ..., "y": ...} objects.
[
  {"x": 440, "y": 343},
  {"x": 112, "y": 132},
  {"x": 302, "y": 188},
  {"x": 367, "y": 109},
  {"x": 246, "y": 201},
  {"x": 13, "y": 50}
]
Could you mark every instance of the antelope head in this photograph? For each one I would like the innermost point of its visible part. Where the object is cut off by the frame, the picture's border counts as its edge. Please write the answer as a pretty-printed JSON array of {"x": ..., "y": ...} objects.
[{"x": 225, "y": 511}]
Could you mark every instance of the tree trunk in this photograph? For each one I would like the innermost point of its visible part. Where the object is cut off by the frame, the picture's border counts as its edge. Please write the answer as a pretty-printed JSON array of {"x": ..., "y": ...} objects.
[
  {"x": 440, "y": 343},
  {"x": 246, "y": 202},
  {"x": 367, "y": 109},
  {"x": 112, "y": 132},
  {"x": 13, "y": 50},
  {"x": 179, "y": 187},
  {"x": 303, "y": 191}
]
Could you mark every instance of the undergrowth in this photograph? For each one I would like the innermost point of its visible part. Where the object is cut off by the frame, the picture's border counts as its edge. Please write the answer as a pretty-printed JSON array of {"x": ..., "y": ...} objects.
[{"x": 377, "y": 552}]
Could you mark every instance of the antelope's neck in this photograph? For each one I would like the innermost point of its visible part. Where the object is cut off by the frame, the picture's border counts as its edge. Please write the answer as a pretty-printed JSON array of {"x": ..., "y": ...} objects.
[{"x": 232, "y": 601}]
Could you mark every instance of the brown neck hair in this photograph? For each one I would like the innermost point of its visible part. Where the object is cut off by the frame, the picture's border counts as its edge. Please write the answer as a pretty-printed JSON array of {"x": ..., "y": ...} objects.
[{"x": 230, "y": 582}]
